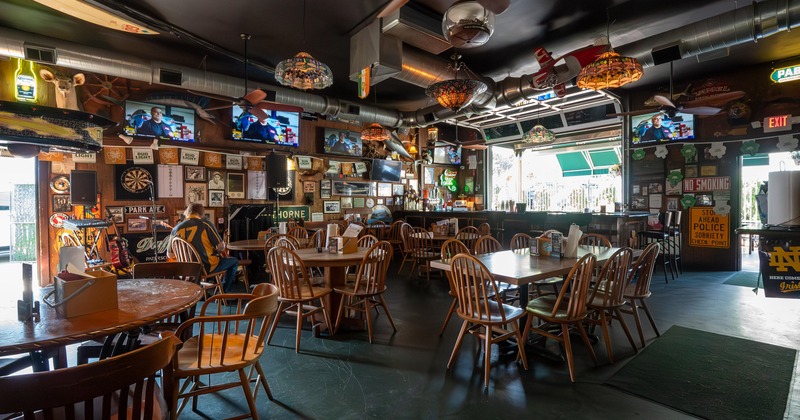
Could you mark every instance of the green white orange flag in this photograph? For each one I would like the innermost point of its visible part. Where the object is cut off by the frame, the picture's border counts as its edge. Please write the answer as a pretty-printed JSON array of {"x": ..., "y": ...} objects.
[{"x": 363, "y": 82}]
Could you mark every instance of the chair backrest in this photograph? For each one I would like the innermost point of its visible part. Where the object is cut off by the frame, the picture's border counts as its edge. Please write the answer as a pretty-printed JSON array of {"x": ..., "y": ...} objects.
[
  {"x": 642, "y": 270},
  {"x": 371, "y": 275},
  {"x": 475, "y": 289},
  {"x": 318, "y": 238},
  {"x": 575, "y": 289},
  {"x": 549, "y": 232},
  {"x": 521, "y": 241},
  {"x": 188, "y": 271},
  {"x": 367, "y": 241},
  {"x": 394, "y": 230},
  {"x": 487, "y": 245},
  {"x": 69, "y": 239},
  {"x": 595, "y": 239},
  {"x": 468, "y": 235},
  {"x": 93, "y": 388},
  {"x": 610, "y": 284},
  {"x": 453, "y": 247},
  {"x": 283, "y": 240},
  {"x": 485, "y": 229},
  {"x": 405, "y": 236},
  {"x": 298, "y": 232},
  {"x": 185, "y": 252},
  {"x": 289, "y": 273},
  {"x": 377, "y": 229},
  {"x": 421, "y": 242},
  {"x": 263, "y": 234}
]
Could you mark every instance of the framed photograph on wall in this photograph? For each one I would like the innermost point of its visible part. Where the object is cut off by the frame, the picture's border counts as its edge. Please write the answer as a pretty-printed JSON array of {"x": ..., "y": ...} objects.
[
  {"x": 349, "y": 188},
  {"x": 358, "y": 202},
  {"x": 331, "y": 207},
  {"x": 397, "y": 189},
  {"x": 324, "y": 193},
  {"x": 116, "y": 213},
  {"x": 216, "y": 198},
  {"x": 194, "y": 173},
  {"x": 209, "y": 216},
  {"x": 708, "y": 170},
  {"x": 691, "y": 171},
  {"x": 347, "y": 202},
  {"x": 61, "y": 204},
  {"x": 196, "y": 193},
  {"x": 384, "y": 189},
  {"x": 216, "y": 180},
  {"x": 235, "y": 184},
  {"x": 137, "y": 225}
]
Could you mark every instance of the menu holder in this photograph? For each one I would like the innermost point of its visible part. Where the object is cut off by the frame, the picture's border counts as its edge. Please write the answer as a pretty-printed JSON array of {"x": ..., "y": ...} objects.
[
  {"x": 93, "y": 291},
  {"x": 348, "y": 242}
]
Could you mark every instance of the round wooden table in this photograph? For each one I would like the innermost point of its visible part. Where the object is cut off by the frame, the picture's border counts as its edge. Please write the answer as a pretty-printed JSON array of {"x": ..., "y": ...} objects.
[
  {"x": 257, "y": 244},
  {"x": 140, "y": 302}
]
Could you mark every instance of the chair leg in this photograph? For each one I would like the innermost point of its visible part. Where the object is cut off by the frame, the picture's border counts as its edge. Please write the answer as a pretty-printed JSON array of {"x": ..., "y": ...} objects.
[
  {"x": 487, "y": 356},
  {"x": 278, "y": 313},
  {"x": 386, "y": 309},
  {"x": 568, "y": 350},
  {"x": 624, "y": 324},
  {"x": 587, "y": 343},
  {"x": 299, "y": 327},
  {"x": 449, "y": 314},
  {"x": 368, "y": 316},
  {"x": 459, "y": 339},
  {"x": 650, "y": 317},
  {"x": 635, "y": 312},
  {"x": 245, "y": 381},
  {"x": 427, "y": 273},
  {"x": 340, "y": 313},
  {"x": 262, "y": 379},
  {"x": 606, "y": 337},
  {"x": 520, "y": 345}
]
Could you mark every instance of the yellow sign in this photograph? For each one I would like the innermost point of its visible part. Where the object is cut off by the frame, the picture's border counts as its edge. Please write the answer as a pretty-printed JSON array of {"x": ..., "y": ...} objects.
[{"x": 708, "y": 229}]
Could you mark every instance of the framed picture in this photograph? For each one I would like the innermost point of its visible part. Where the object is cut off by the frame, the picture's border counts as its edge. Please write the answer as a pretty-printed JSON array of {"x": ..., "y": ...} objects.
[
  {"x": 233, "y": 162},
  {"x": 325, "y": 184},
  {"x": 324, "y": 193},
  {"x": 635, "y": 189},
  {"x": 379, "y": 201},
  {"x": 358, "y": 202},
  {"x": 397, "y": 189},
  {"x": 309, "y": 187},
  {"x": 137, "y": 225},
  {"x": 209, "y": 216},
  {"x": 347, "y": 202},
  {"x": 61, "y": 204},
  {"x": 116, "y": 213},
  {"x": 384, "y": 189},
  {"x": 655, "y": 188},
  {"x": 216, "y": 198},
  {"x": 691, "y": 171},
  {"x": 639, "y": 203},
  {"x": 235, "y": 185},
  {"x": 708, "y": 170},
  {"x": 196, "y": 193},
  {"x": 342, "y": 142},
  {"x": 216, "y": 180},
  {"x": 672, "y": 203},
  {"x": 704, "y": 199},
  {"x": 194, "y": 173},
  {"x": 331, "y": 207},
  {"x": 389, "y": 201},
  {"x": 350, "y": 188}
]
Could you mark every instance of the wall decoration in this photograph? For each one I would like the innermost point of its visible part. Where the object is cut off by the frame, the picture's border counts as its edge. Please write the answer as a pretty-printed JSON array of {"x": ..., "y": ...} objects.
[
  {"x": 350, "y": 188},
  {"x": 397, "y": 189},
  {"x": 168, "y": 155},
  {"x": 195, "y": 173},
  {"x": 331, "y": 207},
  {"x": 347, "y": 169},
  {"x": 639, "y": 203},
  {"x": 324, "y": 193},
  {"x": 717, "y": 150},
  {"x": 132, "y": 182},
  {"x": 661, "y": 151},
  {"x": 655, "y": 188},
  {"x": 688, "y": 200},
  {"x": 787, "y": 143},
  {"x": 384, "y": 189},
  {"x": 389, "y": 201},
  {"x": 691, "y": 171},
  {"x": 708, "y": 170},
  {"x": 190, "y": 157},
  {"x": 256, "y": 185},
  {"x": 116, "y": 213},
  {"x": 142, "y": 156},
  {"x": 379, "y": 202},
  {"x": 113, "y": 155},
  {"x": 346, "y": 202},
  {"x": 209, "y": 217},
  {"x": 638, "y": 154},
  {"x": 233, "y": 162},
  {"x": 235, "y": 183},
  {"x": 56, "y": 220},
  {"x": 674, "y": 186},
  {"x": 212, "y": 160},
  {"x": 722, "y": 208},
  {"x": 704, "y": 199},
  {"x": 137, "y": 225},
  {"x": 196, "y": 193},
  {"x": 170, "y": 181},
  {"x": 61, "y": 204},
  {"x": 216, "y": 180},
  {"x": 216, "y": 198},
  {"x": 358, "y": 202},
  {"x": 749, "y": 147},
  {"x": 254, "y": 163},
  {"x": 309, "y": 186},
  {"x": 304, "y": 162},
  {"x": 60, "y": 184},
  {"x": 369, "y": 203},
  {"x": 86, "y": 158},
  {"x": 689, "y": 152},
  {"x": 325, "y": 184},
  {"x": 334, "y": 167},
  {"x": 361, "y": 167},
  {"x": 672, "y": 203}
]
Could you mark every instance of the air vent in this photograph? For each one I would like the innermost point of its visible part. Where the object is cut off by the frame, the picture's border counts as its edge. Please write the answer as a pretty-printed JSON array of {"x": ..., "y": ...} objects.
[
  {"x": 170, "y": 77},
  {"x": 39, "y": 54},
  {"x": 353, "y": 109}
]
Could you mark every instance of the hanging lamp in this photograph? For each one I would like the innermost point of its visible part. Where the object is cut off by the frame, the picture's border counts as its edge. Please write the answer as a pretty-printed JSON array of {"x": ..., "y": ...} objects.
[
  {"x": 539, "y": 134},
  {"x": 610, "y": 70},
  {"x": 303, "y": 71},
  {"x": 375, "y": 131},
  {"x": 454, "y": 94}
]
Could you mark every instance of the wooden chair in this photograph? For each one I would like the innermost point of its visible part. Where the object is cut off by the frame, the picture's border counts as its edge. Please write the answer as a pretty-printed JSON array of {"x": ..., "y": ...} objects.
[
  {"x": 185, "y": 252},
  {"x": 639, "y": 289},
  {"x": 222, "y": 344},
  {"x": 123, "y": 386},
  {"x": 566, "y": 310},
  {"x": 521, "y": 241},
  {"x": 450, "y": 249},
  {"x": 405, "y": 237},
  {"x": 318, "y": 238},
  {"x": 281, "y": 239},
  {"x": 594, "y": 239},
  {"x": 367, "y": 241},
  {"x": 487, "y": 245},
  {"x": 393, "y": 235},
  {"x": 298, "y": 232},
  {"x": 551, "y": 281},
  {"x": 422, "y": 251},
  {"x": 186, "y": 271},
  {"x": 377, "y": 229},
  {"x": 296, "y": 291},
  {"x": 485, "y": 229},
  {"x": 370, "y": 283},
  {"x": 606, "y": 298},
  {"x": 468, "y": 235},
  {"x": 482, "y": 310}
]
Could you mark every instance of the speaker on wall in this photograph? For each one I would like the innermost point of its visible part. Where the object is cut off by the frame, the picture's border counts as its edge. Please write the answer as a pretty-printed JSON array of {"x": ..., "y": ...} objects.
[
  {"x": 83, "y": 188},
  {"x": 277, "y": 174}
]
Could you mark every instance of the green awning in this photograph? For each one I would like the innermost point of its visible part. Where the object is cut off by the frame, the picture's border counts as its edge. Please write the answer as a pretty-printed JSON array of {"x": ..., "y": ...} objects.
[
  {"x": 759, "y": 159},
  {"x": 573, "y": 161},
  {"x": 588, "y": 162},
  {"x": 603, "y": 157}
]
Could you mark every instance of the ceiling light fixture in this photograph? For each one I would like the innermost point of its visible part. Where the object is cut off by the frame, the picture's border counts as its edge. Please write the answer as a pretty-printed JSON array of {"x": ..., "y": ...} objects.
[
  {"x": 455, "y": 94},
  {"x": 93, "y": 14},
  {"x": 303, "y": 71},
  {"x": 610, "y": 70},
  {"x": 539, "y": 134},
  {"x": 375, "y": 131}
]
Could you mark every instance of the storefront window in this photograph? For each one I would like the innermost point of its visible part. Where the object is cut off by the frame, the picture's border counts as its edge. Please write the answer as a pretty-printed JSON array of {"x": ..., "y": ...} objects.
[{"x": 505, "y": 179}]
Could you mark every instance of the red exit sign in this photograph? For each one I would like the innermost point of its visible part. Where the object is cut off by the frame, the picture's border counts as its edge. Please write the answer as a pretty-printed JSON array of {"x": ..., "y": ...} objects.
[{"x": 777, "y": 123}]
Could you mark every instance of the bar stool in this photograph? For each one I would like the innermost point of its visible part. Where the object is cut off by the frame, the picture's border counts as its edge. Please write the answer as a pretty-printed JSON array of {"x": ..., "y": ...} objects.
[
  {"x": 676, "y": 240},
  {"x": 662, "y": 237}
]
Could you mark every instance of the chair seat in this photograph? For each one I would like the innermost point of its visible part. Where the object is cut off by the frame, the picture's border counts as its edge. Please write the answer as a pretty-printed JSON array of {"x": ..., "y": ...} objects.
[
  {"x": 543, "y": 308},
  {"x": 654, "y": 234},
  {"x": 496, "y": 312},
  {"x": 349, "y": 289},
  {"x": 630, "y": 293},
  {"x": 236, "y": 355},
  {"x": 597, "y": 302},
  {"x": 245, "y": 261},
  {"x": 426, "y": 254},
  {"x": 305, "y": 294}
]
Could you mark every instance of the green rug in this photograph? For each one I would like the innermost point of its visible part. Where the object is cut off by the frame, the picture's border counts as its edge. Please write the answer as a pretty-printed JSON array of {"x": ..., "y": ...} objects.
[
  {"x": 710, "y": 375},
  {"x": 744, "y": 278}
]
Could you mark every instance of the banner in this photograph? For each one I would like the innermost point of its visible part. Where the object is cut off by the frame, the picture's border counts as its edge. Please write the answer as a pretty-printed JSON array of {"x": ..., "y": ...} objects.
[
  {"x": 168, "y": 155},
  {"x": 212, "y": 160},
  {"x": 142, "y": 156},
  {"x": 114, "y": 155},
  {"x": 84, "y": 157},
  {"x": 293, "y": 212},
  {"x": 141, "y": 246},
  {"x": 190, "y": 157},
  {"x": 782, "y": 274}
]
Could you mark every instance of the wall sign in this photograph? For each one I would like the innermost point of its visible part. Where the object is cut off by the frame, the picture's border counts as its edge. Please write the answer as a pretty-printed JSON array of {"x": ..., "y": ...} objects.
[
  {"x": 782, "y": 274},
  {"x": 708, "y": 229},
  {"x": 293, "y": 212},
  {"x": 144, "y": 209},
  {"x": 785, "y": 74},
  {"x": 706, "y": 184}
]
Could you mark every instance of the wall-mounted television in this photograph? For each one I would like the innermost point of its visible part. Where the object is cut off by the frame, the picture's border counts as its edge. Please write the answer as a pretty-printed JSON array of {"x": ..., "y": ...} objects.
[
  {"x": 174, "y": 123},
  {"x": 281, "y": 128},
  {"x": 386, "y": 170},
  {"x": 678, "y": 128},
  {"x": 342, "y": 142},
  {"x": 446, "y": 154}
]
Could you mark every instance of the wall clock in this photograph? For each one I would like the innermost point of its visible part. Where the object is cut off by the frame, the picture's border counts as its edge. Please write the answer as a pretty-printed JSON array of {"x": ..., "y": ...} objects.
[
  {"x": 370, "y": 202},
  {"x": 60, "y": 184}
]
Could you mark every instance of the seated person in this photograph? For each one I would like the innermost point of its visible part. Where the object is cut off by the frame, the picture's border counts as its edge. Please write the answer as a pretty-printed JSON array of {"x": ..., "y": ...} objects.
[
  {"x": 206, "y": 240},
  {"x": 263, "y": 130},
  {"x": 155, "y": 126}
]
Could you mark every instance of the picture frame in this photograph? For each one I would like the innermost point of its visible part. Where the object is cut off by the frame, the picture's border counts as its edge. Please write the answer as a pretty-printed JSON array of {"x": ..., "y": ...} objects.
[
  {"x": 216, "y": 198},
  {"x": 235, "y": 185},
  {"x": 398, "y": 189},
  {"x": 346, "y": 202},
  {"x": 691, "y": 171},
  {"x": 708, "y": 170},
  {"x": 208, "y": 215},
  {"x": 234, "y": 162},
  {"x": 353, "y": 188},
  {"x": 324, "y": 193},
  {"x": 704, "y": 200},
  {"x": 635, "y": 189},
  {"x": 194, "y": 173},
  {"x": 672, "y": 203},
  {"x": 655, "y": 188},
  {"x": 358, "y": 202},
  {"x": 216, "y": 180},
  {"x": 117, "y": 214},
  {"x": 61, "y": 204},
  {"x": 331, "y": 207},
  {"x": 325, "y": 184},
  {"x": 196, "y": 193},
  {"x": 379, "y": 201},
  {"x": 389, "y": 201},
  {"x": 137, "y": 225},
  {"x": 384, "y": 189},
  {"x": 342, "y": 142}
]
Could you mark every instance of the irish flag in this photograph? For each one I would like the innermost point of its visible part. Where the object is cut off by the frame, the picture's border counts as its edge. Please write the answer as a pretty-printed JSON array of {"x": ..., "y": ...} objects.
[{"x": 363, "y": 83}]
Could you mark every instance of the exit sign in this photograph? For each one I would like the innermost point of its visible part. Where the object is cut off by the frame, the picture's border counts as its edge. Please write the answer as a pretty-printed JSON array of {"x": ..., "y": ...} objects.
[
  {"x": 777, "y": 123},
  {"x": 785, "y": 74}
]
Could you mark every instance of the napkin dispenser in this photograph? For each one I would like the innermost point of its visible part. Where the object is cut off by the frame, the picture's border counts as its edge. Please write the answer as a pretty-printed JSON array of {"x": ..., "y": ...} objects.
[{"x": 571, "y": 243}]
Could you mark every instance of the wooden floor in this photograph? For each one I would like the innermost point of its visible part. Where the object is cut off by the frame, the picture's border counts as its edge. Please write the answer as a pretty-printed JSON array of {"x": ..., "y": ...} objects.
[{"x": 404, "y": 375}]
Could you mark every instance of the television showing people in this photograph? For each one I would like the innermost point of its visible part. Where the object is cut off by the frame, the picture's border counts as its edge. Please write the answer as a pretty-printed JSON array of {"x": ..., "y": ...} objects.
[
  {"x": 279, "y": 128},
  {"x": 342, "y": 142},
  {"x": 160, "y": 122},
  {"x": 660, "y": 128}
]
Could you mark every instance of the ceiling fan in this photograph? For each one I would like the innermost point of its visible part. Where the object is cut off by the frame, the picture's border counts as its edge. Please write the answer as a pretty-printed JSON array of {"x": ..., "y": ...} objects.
[
  {"x": 495, "y": 6},
  {"x": 257, "y": 102}
]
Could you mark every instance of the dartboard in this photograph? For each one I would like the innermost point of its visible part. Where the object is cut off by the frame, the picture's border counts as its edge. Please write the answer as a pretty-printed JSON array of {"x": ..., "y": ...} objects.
[
  {"x": 135, "y": 179},
  {"x": 285, "y": 190}
]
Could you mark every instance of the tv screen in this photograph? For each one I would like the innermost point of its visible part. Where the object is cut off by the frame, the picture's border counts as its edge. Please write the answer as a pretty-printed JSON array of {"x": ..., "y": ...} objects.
[
  {"x": 173, "y": 123},
  {"x": 342, "y": 142},
  {"x": 644, "y": 131},
  {"x": 446, "y": 154},
  {"x": 386, "y": 170},
  {"x": 282, "y": 128}
]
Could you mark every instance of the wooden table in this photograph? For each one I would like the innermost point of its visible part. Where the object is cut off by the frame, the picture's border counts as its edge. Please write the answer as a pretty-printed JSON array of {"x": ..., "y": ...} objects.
[
  {"x": 257, "y": 244},
  {"x": 140, "y": 302},
  {"x": 334, "y": 266}
]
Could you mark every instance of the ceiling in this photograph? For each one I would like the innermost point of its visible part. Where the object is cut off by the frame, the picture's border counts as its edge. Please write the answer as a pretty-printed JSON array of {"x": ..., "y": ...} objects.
[{"x": 205, "y": 35}]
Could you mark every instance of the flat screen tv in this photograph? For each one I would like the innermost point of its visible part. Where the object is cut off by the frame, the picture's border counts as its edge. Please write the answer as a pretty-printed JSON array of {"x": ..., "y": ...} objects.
[
  {"x": 282, "y": 128},
  {"x": 446, "y": 154},
  {"x": 342, "y": 142},
  {"x": 174, "y": 123},
  {"x": 678, "y": 128},
  {"x": 386, "y": 170}
]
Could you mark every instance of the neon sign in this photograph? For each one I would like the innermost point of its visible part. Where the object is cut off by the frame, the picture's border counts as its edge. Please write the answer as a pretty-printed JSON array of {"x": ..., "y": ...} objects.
[{"x": 785, "y": 74}]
